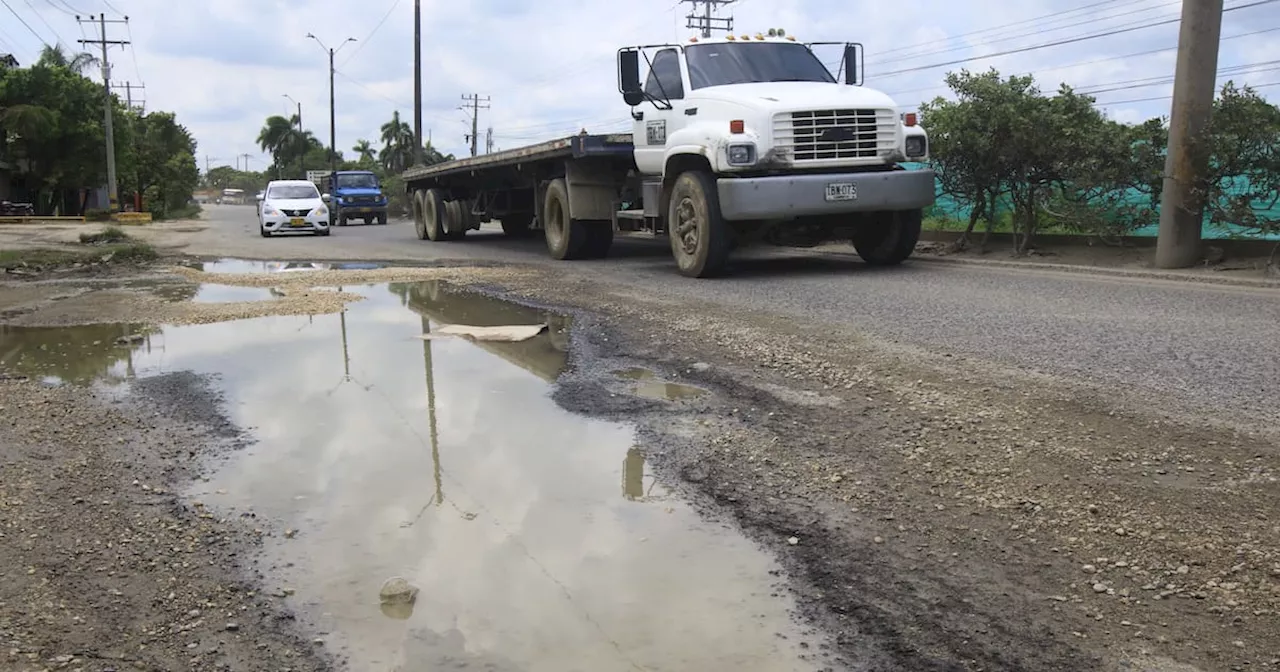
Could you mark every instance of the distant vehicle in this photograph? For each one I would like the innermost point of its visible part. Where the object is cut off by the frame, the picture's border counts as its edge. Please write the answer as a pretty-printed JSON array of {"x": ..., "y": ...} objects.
[
  {"x": 232, "y": 197},
  {"x": 292, "y": 205},
  {"x": 352, "y": 194},
  {"x": 735, "y": 141}
]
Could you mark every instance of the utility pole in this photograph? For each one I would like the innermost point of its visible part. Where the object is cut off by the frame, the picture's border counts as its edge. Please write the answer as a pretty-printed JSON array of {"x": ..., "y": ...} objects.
[
  {"x": 246, "y": 161},
  {"x": 333, "y": 133},
  {"x": 706, "y": 22},
  {"x": 488, "y": 141},
  {"x": 113, "y": 196},
  {"x": 128, "y": 93},
  {"x": 476, "y": 105},
  {"x": 1187, "y": 161},
  {"x": 417, "y": 82},
  {"x": 207, "y": 162}
]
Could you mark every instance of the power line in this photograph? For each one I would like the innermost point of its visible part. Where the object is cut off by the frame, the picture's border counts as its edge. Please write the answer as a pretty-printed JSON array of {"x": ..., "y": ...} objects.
[
  {"x": 1121, "y": 57},
  {"x": 133, "y": 50},
  {"x": 46, "y": 23},
  {"x": 360, "y": 45},
  {"x": 1092, "y": 21},
  {"x": 1247, "y": 69},
  {"x": 108, "y": 4},
  {"x": 1055, "y": 43},
  {"x": 1155, "y": 98},
  {"x": 24, "y": 22}
]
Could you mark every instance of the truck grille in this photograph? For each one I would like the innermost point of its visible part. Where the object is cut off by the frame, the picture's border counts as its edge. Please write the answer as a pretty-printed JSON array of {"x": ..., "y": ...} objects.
[
  {"x": 827, "y": 135},
  {"x": 363, "y": 199}
]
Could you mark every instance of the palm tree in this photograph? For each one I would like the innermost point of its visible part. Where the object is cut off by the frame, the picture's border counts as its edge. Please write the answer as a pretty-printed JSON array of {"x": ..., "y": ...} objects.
[
  {"x": 364, "y": 151},
  {"x": 52, "y": 56},
  {"x": 397, "y": 144}
]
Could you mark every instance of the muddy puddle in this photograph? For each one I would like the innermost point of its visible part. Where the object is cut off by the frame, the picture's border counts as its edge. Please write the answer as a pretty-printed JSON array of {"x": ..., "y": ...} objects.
[
  {"x": 645, "y": 383},
  {"x": 532, "y": 539}
]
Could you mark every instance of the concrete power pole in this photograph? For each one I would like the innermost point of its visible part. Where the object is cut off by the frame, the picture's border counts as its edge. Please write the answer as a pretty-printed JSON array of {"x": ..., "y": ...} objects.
[
  {"x": 488, "y": 141},
  {"x": 333, "y": 123},
  {"x": 128, "y": 87},
  {"x": 1187, "y": 161},
  {"x": 417, "y": 82},
  {"x": 476, "y": 106},
  {"x": 246, "y": 158},
  {"x": 113, "y": 197},
  {"x": 706, "y": 22}
]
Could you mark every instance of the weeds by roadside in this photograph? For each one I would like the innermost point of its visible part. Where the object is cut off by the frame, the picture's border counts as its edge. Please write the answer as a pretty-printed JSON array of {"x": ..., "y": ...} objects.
[{"x": 110, "y": 245}]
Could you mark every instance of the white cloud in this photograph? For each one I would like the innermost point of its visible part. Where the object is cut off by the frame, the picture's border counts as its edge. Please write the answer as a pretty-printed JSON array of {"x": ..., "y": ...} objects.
[{"x": 548, "y": 67}]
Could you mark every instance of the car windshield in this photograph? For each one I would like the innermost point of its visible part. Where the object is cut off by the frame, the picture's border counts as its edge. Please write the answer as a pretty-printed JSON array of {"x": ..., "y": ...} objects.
[
  {"x": 749, "y": 62},
  {"x": 358, "y": 181},
  {"x": 289, "y": 191}
]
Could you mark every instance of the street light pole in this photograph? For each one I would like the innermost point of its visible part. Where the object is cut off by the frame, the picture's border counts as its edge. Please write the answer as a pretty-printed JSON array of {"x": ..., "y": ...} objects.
[
  {"x": 333, "y": 135},
  {"x": 302, "y": 156}
]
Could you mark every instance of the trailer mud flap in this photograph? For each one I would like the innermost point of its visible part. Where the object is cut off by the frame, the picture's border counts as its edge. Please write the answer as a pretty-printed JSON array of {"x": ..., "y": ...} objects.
[{"x": 593, "y": 188}]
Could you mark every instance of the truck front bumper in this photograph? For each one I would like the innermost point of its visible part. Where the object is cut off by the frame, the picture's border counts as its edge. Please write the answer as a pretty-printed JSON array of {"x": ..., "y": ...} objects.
[
  {"x": 363, "y": 209},
  {"x": 787, "y": 196}
]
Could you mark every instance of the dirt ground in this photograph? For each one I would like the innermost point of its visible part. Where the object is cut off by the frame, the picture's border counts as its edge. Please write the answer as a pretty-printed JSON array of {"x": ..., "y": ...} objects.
[{"x": 933, "y": 512}]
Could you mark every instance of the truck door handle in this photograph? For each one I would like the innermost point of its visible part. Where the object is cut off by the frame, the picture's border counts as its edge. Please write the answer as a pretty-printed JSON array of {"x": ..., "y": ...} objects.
[{"x": 690, "y": 111}]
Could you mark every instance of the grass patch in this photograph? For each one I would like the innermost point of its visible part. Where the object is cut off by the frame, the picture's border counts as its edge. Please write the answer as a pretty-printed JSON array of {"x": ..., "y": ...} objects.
[
  {"x": 188, "y": 211},
  {"x": 47, "y": 259},
  {"x": 109, "y": 235}
]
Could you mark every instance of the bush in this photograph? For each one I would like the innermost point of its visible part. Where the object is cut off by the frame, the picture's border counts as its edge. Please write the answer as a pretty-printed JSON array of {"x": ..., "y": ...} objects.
[{"x": 97, "y": 215}]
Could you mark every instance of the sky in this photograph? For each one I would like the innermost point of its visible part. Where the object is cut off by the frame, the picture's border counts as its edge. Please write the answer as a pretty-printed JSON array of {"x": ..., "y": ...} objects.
[{"x": 547, "y": 69}]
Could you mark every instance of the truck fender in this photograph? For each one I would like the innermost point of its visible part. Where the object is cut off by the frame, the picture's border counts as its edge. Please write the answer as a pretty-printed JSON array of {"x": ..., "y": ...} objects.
[{"x": 677, "y": 160}]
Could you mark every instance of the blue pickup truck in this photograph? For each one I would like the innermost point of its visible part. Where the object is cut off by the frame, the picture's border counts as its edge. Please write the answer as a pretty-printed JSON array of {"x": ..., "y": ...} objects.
[{"x": 355, "y": 194}]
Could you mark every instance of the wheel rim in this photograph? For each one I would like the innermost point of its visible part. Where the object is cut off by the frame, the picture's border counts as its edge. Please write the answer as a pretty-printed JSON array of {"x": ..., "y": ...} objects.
[{"x": 687, "y": 224}]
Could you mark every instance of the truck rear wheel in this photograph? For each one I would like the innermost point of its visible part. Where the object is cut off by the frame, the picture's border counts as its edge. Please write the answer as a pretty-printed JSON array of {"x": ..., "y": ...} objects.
[
  {"x": 890, "y": 238},
  {"x": 566, "y": 237},
  {"x": 455, "y": 222},
  {"x": 700, "y": 238},
  {"x": 599, "y": 240},
  {"x": 433, "y": 214},
  {"x": 516, "y": 224},
  {"x": 419, "y": 203}
]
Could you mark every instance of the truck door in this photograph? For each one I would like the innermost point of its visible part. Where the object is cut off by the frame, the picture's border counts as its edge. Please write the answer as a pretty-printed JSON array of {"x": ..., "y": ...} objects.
[{"x": 665, "y": 85}]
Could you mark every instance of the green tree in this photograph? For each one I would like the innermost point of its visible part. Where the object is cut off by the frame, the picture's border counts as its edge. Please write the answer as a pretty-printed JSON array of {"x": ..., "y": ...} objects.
[
  {"x": 397, "y": 144},
  {"x": 1243, "y": 185},
  {"x": 365, "y": 153}
]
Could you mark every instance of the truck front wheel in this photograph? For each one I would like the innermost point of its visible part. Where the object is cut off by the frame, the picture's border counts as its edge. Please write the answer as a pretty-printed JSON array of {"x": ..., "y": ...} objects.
[
  {"x": 889, "y": 238},
  {"x": 566, "y": 237},
  {"x": 700, "y": 238}
]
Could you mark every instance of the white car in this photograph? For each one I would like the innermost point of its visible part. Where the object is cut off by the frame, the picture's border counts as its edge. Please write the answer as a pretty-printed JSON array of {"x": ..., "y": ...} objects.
[{"x": 292, "y": 205}]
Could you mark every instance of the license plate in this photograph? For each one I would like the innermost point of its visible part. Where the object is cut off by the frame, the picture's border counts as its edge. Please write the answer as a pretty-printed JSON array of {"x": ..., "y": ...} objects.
[
  {"x": 297, "y": 221},
  {"x": 359, "y": 209},
  {"x": 842, "y": 191}
]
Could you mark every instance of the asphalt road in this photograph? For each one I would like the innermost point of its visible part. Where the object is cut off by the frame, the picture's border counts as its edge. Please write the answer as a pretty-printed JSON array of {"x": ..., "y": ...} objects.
[{"x": 1213, "y": 346}]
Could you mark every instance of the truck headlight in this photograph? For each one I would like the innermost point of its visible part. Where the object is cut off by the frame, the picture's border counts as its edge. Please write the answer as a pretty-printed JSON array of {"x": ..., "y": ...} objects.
[
  {"x": 742, "y": 154},
  {"x": 917, "y": 146}
]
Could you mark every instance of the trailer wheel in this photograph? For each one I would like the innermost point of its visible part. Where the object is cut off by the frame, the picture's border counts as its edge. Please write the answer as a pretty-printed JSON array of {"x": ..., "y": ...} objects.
[
  {"x": 455, "y": 220},
  {"x": 599, "y": 240},
  {"x": 419, "y": 207},
  {"x": 433, "y": 214},
  {"x": 700, "y": 238},
  {"x": 890, "y": 238},
  {"x": 516, "y": 224},
  {"x": 566, "y": 237}
]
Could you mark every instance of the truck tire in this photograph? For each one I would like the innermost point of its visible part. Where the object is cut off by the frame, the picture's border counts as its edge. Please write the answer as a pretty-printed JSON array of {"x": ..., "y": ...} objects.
[
  {"x": 566, "y": 237},
  {"x": 890, "y": 238},
  {"x": 419, "y": 205},
  {"x": 700, "y": 238},
  {"x": 516, "y": 224},
  {"x": 599, "y": 240},
  {"x": 433, "y": 214},
  {"x": 454, "y": 224},
  {"x": 382, "y": 219}
]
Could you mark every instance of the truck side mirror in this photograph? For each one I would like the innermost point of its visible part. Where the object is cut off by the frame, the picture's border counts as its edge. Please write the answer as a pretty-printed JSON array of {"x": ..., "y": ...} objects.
[
  {"x": 629, "y": 77},
  {"x": 852, "y": 65}
]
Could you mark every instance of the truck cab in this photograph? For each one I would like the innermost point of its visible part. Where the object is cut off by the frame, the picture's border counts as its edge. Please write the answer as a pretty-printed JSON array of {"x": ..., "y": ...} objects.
[
  {"x": 751, "y": 138},
  {"x": 355, "y": 194}
]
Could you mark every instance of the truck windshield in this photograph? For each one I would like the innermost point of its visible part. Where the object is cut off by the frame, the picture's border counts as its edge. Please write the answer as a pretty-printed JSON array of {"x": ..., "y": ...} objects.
[
  {"x": 744, "y": 63},
  {"x": 287, "y": 191},
  {"x": 358, "y": 181}
]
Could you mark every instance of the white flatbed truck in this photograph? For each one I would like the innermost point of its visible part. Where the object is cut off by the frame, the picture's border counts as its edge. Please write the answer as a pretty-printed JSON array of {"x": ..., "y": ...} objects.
[{"x": 736, "y": 140}]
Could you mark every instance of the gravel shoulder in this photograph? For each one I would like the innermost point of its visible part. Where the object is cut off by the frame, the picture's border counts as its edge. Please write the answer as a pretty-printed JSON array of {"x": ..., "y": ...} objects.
[
  {"x": 935, "y": 512},
  {"x": 103, "y": 565}
]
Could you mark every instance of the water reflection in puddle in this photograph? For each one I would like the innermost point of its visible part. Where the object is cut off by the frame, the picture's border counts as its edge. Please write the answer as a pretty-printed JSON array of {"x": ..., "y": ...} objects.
[
  {"x": 251, "y": 266},
  {"x": 536, "y": 539},
  {"x": 649, "y": 386}
]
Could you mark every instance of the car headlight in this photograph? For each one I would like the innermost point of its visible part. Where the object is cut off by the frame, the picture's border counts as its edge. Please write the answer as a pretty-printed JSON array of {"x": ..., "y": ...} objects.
[
  {"x": 269, "y": 211},
  {"x": 916, "y": 146},
  {"x": 320, "y": 211},
  {"x": 742, "y": 154}
]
